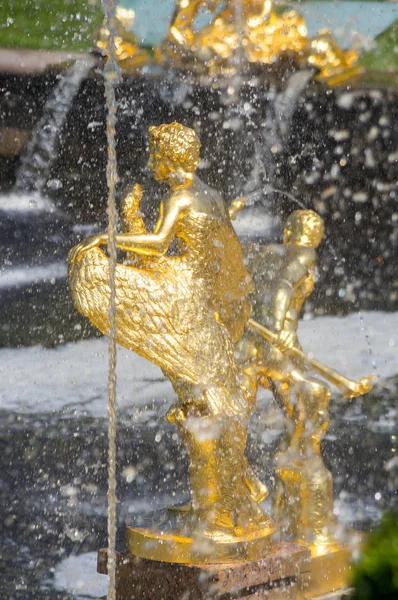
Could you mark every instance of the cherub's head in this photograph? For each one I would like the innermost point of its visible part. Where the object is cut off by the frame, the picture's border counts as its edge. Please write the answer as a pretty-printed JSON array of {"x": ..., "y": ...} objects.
[
  {"x": 305, "y": 228},
  {"x": 173, "y": 151}
]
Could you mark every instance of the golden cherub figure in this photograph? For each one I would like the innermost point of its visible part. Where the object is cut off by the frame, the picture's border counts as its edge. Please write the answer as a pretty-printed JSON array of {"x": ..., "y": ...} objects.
[
  {"x": 284, "y": 278},
  {"x": 184, "y": 313}
]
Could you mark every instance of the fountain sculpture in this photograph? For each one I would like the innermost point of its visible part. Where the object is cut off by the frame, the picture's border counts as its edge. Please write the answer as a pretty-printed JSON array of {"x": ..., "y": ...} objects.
[
  {"x": 303, "y": 501},
  {"x": 307, "y": 122},
  {"x": 186, "y": 312},
  {"x": 217, "y": 314},
  {"x": 238, "y": 35}
]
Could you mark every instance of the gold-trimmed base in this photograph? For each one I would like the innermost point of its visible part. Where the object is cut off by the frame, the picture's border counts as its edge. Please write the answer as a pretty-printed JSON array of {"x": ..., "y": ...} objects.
[
  {"x": 168, "y": 538},
  {"x": 329, "y": 572},
  {"x": 330, "y": 566}
]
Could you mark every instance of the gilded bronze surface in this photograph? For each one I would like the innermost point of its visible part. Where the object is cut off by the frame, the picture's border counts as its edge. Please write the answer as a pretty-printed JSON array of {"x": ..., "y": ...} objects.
[
  {"x": 329, "y": 572},
  {"x": 184, "y": 313},
  {"x": 259, "y": 32},
  {"x": 127, "y": 49},
  {"x": 334, "y": 64},
  {"x": 258, "y": 35},
  {"x": 284, "y": 278}
]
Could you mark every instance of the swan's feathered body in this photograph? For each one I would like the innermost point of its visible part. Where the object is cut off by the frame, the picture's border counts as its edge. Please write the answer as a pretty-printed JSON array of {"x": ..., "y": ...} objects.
[{"x": 180, "y": 312}]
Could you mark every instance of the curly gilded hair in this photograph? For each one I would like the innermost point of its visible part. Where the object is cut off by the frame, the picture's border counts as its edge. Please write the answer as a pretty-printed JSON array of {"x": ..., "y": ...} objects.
[
  {"x": 306, "y": 223},
  {"x": 179, "y": 144}
]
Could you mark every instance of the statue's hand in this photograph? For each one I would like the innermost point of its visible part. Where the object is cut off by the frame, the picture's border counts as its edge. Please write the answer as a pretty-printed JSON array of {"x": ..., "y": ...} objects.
[
  {"x": 77, "y": 251},
  {"x": 286, "y": 340},
  {"x": 236, "y": 206}
]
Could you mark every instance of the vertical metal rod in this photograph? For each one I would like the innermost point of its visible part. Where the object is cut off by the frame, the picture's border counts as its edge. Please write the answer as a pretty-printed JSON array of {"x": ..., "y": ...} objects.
[{"x": 110, "y": 79}]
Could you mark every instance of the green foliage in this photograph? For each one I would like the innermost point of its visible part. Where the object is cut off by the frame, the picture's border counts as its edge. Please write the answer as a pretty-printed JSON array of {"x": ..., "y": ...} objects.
[
  {"x": 49, "y": 24},
  {"x": 376, "y": 575},
  {"x": 384, "y": 57}
]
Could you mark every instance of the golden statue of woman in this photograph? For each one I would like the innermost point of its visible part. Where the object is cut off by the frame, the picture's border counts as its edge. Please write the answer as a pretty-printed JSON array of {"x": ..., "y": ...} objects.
[{"x": 184, "y": 313}]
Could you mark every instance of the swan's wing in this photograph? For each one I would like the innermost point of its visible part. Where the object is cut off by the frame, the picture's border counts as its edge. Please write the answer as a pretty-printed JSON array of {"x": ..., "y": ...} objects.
[{"x": 159, "y": 315}]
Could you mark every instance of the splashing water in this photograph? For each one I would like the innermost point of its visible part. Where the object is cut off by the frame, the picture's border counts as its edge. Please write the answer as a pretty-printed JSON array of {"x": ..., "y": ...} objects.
[
  {"x": 239, "y": 24},
  {"x": 258, "y": 196},
  {"x": 275, "y": 130},
  {"x": 39, "y": 152},
  {"x": 110, "y": 78}
]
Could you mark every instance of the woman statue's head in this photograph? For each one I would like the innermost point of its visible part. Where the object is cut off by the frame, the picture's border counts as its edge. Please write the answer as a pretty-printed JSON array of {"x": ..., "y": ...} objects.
[{"x": 173, "y": 151}]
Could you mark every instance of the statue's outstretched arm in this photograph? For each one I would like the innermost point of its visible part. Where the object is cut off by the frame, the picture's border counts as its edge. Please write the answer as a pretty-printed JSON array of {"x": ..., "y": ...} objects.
[
  {"x": 157, "y": 243},
  {"x": 236, "y": 206},
  {"x": 154, "y": 244}
]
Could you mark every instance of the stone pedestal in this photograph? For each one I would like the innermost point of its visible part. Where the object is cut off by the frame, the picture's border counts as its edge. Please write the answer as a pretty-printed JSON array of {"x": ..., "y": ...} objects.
[{"x": 274, "y": 577}]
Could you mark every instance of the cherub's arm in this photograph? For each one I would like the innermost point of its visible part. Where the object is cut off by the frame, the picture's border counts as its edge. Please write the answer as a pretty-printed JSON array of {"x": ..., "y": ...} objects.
[
  {"x": 281, "y": 303},
  {"x": 155, "y": 244}
]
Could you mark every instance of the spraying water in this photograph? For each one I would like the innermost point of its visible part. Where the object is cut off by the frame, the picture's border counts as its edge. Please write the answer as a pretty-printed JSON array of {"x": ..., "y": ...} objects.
[
  {"x": 111, "y": 76},
  {"x": 270, "y": 133},
  {"x": 37, "y": 156},
  {"x": 240, "y": 29}
]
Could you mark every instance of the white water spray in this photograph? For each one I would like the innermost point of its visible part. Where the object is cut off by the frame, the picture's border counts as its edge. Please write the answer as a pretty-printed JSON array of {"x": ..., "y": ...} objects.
[
  {"x": 110, "y": 77},
  {"x": 39, "y": 152}
]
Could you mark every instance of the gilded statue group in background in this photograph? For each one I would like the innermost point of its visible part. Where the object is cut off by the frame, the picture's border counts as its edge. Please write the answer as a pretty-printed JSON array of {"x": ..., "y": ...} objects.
[
  {"x": 252, "y": 32},
  {"x": 219, "y": 322},
  {"x": 259, "y": 35}
]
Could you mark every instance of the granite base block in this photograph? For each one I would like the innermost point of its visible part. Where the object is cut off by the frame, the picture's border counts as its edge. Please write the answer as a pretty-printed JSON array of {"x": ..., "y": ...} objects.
[{"x": 274, "y": 577}]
